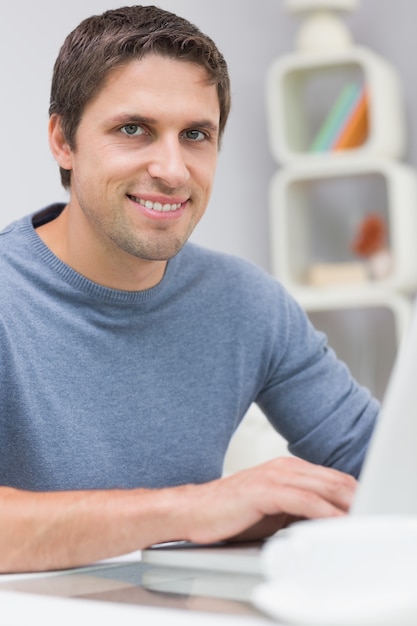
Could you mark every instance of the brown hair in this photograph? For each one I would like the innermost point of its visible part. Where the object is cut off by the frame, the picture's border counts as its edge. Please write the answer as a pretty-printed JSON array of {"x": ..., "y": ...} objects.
[{"x": 103, "y": 42}]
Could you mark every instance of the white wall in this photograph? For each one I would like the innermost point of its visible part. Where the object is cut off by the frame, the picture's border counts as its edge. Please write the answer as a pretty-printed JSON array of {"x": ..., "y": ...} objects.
[{"x": 250, "y": 33}]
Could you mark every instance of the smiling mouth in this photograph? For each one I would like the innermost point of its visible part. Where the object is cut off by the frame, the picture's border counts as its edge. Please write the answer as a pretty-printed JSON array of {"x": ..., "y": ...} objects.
[{"x": 157, "y": 206}]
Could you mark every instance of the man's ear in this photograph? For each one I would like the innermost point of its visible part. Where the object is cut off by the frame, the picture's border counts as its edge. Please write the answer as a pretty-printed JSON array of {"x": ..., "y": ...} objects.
[{"x": 58, "y": 144}]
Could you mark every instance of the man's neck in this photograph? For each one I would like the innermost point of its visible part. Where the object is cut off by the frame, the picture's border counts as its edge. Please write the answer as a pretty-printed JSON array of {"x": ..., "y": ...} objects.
[{"x": 126, "y": 273}]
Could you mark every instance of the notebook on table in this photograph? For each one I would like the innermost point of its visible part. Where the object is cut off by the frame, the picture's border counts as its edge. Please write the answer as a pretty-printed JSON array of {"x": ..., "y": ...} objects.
[
  {"x": 387, "y": 486},
  {"x": 221, "y": 557}
]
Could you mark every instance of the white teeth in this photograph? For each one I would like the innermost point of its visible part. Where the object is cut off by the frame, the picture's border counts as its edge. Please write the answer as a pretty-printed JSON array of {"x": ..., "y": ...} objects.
[{"x": 157, "y": 206}]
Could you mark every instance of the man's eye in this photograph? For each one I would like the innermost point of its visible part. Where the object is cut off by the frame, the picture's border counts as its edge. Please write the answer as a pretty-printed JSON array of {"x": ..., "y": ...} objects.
[
  {"x": 195, "y": 135},
  {"x": 132, "y": 130}
]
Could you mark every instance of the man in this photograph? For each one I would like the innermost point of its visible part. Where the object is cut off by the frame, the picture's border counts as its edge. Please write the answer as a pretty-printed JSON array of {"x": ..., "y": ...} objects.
[{"x": 129, "y": 356}]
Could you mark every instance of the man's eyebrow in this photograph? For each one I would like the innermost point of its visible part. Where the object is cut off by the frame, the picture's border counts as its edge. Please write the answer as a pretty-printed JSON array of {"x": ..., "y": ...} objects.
[
  {"x": 134, "y": 118},
  {"x": 206, "y": 124}
]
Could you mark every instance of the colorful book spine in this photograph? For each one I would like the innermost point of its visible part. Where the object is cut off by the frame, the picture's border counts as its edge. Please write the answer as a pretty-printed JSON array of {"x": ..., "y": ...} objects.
[
  {"x": 336, "y": 119},
  {"x": 356, "y": 128}
]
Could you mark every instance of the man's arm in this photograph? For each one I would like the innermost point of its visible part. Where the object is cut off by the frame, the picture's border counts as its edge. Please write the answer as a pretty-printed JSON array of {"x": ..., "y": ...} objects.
[{"x": 40, "y": 531}]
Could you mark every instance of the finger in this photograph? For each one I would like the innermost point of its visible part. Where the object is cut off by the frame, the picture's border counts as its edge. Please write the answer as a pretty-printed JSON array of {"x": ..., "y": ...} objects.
[
  {"x": 302, "y": 502},
  {"x": 332, "y": 485},
  {"x": 339, "y": 492}
]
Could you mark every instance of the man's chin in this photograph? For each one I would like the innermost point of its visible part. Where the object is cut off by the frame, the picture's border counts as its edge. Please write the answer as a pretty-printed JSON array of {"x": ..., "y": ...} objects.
[{"x": 159, "y": 252}]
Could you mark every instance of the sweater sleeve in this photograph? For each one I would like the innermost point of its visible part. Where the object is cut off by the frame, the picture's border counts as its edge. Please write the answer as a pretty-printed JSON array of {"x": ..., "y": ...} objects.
[{"x": 311, "y": 398}]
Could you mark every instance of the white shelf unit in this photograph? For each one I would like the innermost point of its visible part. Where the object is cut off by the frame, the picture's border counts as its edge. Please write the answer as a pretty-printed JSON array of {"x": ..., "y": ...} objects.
[
  {"x": 315, "y": 209},
  {"x": 301, "y": 88},
  {"x": 318, "y": 198}
]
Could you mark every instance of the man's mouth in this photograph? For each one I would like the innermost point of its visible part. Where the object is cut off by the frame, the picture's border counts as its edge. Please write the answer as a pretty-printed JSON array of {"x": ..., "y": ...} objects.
[{"x": 157, "y": 206}]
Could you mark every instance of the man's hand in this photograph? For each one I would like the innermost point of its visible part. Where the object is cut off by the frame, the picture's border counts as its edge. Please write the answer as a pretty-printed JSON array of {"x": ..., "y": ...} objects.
[{"x": 257, "y": 502}]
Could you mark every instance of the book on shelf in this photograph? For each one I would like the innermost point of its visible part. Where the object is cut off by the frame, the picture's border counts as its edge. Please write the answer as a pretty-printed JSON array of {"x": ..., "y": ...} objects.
[
  {"x": 346, "y": 126},
  {"x": 356, "y": 128}
]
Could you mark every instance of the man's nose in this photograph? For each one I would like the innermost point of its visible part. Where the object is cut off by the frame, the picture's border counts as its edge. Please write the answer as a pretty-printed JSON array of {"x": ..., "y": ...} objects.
[{"x": 167, "y": 162}]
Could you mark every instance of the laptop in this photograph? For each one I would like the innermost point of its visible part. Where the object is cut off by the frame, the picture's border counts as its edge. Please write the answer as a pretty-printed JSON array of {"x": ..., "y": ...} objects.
[{"x": 388, "y": 481}]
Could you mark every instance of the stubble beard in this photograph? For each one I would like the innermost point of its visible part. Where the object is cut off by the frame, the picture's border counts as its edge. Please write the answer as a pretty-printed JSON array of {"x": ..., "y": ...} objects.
[{"x": 160, "y": 245}]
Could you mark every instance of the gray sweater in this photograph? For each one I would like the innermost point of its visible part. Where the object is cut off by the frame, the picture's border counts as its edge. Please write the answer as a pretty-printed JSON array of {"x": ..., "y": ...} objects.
[{"x": 101, "y": 388}]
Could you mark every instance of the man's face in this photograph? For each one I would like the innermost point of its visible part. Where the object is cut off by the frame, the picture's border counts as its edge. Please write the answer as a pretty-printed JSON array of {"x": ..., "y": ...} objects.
[{"x": 145, "y": 157}]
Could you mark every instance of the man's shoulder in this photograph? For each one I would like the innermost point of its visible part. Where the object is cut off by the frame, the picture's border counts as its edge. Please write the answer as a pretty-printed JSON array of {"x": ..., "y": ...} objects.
[
  {"x": 231, "y": 266},
  {"x": 230, "y": 276},
  {"x": 30, "y": 221},
  {"x": 11, "y": 234}
]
